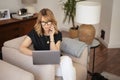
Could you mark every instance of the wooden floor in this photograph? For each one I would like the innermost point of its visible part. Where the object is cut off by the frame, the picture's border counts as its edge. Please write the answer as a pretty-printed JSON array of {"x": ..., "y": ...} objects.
[{"x": 105, "y": 59}]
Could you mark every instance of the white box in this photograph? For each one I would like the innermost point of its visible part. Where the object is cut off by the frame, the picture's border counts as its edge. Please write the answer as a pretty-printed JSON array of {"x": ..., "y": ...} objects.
[{"x": 26, "y": 16}]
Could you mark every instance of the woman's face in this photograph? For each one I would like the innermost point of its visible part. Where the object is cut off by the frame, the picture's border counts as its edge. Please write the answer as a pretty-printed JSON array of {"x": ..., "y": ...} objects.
[{"x": 45, "y": 24}]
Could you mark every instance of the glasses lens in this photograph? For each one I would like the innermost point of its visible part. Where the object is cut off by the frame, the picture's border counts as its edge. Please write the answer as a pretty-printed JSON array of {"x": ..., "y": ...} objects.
[
  {"x": 49, "y": 23},
  {"x": 43, "y": 23}
]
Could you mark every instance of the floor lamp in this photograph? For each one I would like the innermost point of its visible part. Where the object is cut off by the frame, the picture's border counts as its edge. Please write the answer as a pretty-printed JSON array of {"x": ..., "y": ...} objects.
[
  {"x": 29, "y": 5},
  {"x": 87, "y": 14}
]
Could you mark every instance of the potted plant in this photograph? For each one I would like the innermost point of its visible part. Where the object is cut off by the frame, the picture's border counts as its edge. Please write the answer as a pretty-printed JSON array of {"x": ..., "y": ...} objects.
[{"x": 69, "y": 8}]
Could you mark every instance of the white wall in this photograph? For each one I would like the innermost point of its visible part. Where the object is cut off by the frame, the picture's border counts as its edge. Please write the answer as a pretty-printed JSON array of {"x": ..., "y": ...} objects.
[
  {"x": 115, "y": 26},
  {"x": 12, "y": 5},
  {"x": 110, "y": 18},
  {"x": 105, "y": 23}
]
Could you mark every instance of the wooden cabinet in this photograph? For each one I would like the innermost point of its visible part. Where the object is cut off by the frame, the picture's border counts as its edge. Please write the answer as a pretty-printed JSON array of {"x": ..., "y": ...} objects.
[{"x": 13, "y": 28}]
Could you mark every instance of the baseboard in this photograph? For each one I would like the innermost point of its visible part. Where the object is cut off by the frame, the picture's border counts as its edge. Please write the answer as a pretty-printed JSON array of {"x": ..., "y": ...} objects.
[
  {"x": 110, "y": 76},
  {"x": 108, "y": 45},
  {"x": 103, "y": 42},
  {"x": 114, "y": 45}
]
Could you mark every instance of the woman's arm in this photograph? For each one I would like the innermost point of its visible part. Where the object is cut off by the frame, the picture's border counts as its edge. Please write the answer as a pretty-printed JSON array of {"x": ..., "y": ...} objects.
[
  {"x": 54, "y": 46},
  {"x": 24, "y": 46}
]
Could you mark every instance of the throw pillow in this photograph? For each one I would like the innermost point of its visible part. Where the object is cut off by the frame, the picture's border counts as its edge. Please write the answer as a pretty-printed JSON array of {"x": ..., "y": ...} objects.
[{"x": 72, "y": 46}]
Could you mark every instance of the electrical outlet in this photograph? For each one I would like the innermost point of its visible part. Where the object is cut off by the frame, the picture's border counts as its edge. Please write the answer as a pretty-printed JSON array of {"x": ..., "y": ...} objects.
[{"x": 103, "y": 34}]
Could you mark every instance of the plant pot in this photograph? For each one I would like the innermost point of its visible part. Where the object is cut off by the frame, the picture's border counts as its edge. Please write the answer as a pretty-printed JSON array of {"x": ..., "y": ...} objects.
[{"x": 73, "y": 33}]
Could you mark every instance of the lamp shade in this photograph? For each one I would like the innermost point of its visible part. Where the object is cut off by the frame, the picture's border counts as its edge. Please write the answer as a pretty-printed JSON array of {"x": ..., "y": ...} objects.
[
  {"x": 29, "y": 1},
  {"x": 88, "y": 12}
]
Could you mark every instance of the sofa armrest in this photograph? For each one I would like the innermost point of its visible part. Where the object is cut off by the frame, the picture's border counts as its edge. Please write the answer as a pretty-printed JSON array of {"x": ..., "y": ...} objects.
[
  {"x": 83, "y": 59},
  {"x": 14, "y": 43}
]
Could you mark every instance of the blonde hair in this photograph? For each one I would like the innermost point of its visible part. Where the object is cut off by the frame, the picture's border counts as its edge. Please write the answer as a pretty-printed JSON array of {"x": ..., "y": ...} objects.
[{"x": 48, "y": 16}]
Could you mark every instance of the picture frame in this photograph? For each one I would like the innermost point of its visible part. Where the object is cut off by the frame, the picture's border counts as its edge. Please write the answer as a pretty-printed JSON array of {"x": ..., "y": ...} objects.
[{"x": 4, "y": 14}]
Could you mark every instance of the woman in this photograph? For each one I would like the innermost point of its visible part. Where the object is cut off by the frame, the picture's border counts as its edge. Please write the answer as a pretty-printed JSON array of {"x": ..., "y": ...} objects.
[{"x": 46, "y": 36}]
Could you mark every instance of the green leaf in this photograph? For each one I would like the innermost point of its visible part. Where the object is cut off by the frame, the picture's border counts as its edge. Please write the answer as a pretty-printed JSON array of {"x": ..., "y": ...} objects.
[{"x": 70, "y": 10}]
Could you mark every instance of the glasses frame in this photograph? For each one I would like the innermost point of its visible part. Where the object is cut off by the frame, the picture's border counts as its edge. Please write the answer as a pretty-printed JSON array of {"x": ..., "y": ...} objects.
[{"x": 44, "y": 23}]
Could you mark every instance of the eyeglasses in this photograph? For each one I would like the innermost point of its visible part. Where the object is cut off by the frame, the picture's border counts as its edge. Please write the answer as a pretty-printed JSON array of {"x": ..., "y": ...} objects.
[{"x": 43, "y": 23}]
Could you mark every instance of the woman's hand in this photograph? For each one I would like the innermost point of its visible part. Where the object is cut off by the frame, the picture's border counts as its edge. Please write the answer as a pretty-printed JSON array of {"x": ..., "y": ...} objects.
[{"x": 52, "y": 31}]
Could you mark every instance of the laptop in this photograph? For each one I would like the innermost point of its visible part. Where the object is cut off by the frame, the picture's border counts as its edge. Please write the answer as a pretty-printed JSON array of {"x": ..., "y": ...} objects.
[{"x": 46, "y": 57}]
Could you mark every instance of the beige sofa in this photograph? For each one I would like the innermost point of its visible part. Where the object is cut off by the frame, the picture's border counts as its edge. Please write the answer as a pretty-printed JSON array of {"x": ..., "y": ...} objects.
[{"x": 12, "y": 55}]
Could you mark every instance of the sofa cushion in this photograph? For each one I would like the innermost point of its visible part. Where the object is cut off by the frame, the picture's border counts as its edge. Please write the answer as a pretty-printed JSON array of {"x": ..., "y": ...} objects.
[
  {"x": 72, "y": 46},
  {"x": 11, "y": 72}
]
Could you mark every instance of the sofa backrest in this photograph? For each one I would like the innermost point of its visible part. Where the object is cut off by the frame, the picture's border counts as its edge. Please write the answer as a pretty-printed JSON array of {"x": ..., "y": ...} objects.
[{"x": 15, "y": 43}]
